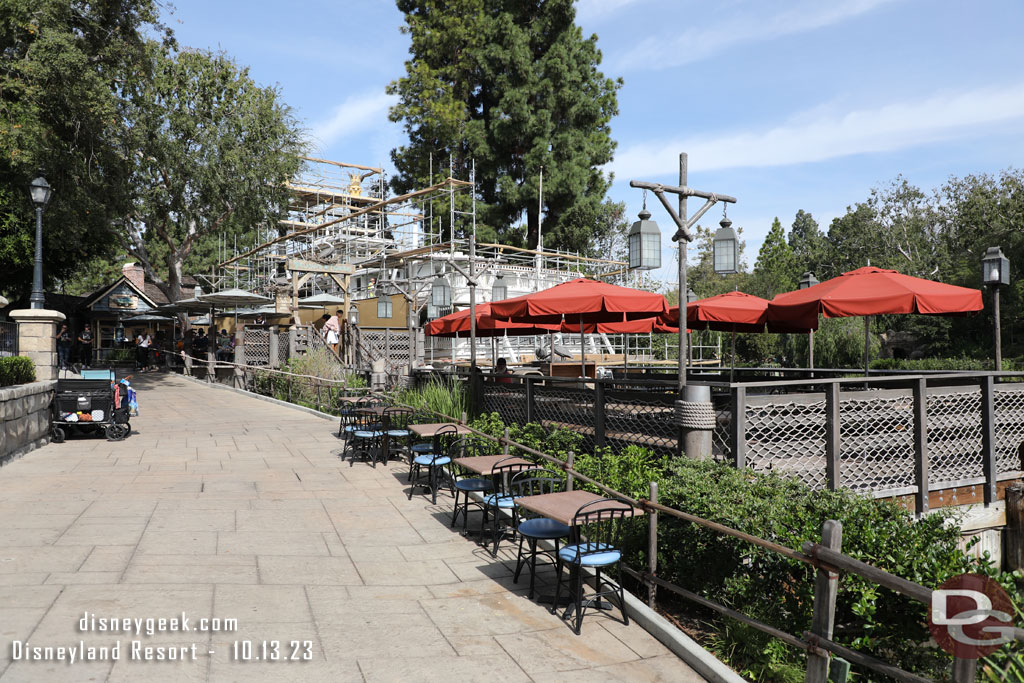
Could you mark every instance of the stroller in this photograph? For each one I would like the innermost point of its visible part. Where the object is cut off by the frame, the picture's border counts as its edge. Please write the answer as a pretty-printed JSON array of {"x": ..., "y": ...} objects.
[{"x": 94, "y": 404}]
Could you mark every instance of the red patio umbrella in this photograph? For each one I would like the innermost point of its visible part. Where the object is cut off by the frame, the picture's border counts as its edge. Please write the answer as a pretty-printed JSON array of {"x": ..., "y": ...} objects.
[
  {"x": 458, "y": 325},
  {"x": 731, "y": 312},
  {"x": 581, "y": 302},
  {"x": 871, "y": 291}
]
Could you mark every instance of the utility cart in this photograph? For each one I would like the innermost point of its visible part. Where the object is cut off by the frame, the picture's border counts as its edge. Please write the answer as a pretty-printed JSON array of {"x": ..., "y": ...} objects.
[{"x": 94, "y": 404}]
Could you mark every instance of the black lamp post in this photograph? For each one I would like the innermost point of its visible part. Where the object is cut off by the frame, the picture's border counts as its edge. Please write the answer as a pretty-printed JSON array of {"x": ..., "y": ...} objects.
[
  {"x": 40, "y": 192},
  {"x": 995, "y": 271},
  {"x": 808, "y": 280}
]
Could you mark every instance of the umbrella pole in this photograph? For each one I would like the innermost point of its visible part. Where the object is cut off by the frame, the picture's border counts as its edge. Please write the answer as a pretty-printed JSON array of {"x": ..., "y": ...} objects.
[
  {"x": 625, "y": 353},
  {"x": 583, "y": 349},
  {"x": 732, "y": 368},
  {"x": 867, "y": 342}
]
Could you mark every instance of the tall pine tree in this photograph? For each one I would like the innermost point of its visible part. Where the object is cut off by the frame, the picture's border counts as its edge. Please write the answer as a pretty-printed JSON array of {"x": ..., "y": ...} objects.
[{"x": 514, "y": 86}]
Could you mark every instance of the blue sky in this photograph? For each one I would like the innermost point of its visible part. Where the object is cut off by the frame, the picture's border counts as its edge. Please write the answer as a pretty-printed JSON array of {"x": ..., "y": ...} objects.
[{"x": 786, "y": 105}]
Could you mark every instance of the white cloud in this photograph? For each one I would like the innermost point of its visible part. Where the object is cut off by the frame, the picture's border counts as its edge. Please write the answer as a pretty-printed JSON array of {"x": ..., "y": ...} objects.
[
  {"x": 750, "y": 26},
  {"x": 355, "y": 115},
  {"x": 887, "y": 128}
]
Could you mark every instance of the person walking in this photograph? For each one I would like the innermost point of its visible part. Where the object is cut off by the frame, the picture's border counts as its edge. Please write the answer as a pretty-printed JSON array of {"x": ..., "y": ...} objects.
[
  {"x": 63, "y": 346},
  {"x": 85, "y": 346}
]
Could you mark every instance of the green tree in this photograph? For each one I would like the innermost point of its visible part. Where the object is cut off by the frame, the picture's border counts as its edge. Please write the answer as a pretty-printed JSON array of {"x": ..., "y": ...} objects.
[
  {"x": 63, "y": 67},
  {"x": 775, "y": 270},
  {"x": 514, "y": 86},
  {"x": 211, "y": 151},
  {"x": 810, "y": 248}
]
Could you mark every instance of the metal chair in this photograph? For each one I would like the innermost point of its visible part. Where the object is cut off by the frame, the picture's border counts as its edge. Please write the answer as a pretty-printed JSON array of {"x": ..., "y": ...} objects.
[
  {"x": 395, "y": 422},
  {"x": 424, "y": 446},
  {"x": 598, "y": 526},
  {"x": 435, "y": 462},
  {"x": 502, "y": 499},
  {"x": 466, "y": 484},
  {"x": 535, "y": 483},
  {"x": 366, "y": 434}
]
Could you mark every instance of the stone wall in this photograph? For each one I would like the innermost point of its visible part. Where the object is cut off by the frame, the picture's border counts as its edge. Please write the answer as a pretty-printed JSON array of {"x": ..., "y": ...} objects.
[{"x": 25, "y": 414}]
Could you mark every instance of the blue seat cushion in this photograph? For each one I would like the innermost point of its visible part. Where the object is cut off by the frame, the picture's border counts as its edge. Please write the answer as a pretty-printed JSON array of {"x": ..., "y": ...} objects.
[
  {"x": 429, "y": 459},
  {"x": 604, "y": 555},
  {"x": 422, "y": 448},
  {"x": 362, "y": 434},
  {"x": 474, "y": 485},
  {"x": 398, "y": 433},
  {"x": 494, "y": 500},
  {"x": 542, "y": 527}
]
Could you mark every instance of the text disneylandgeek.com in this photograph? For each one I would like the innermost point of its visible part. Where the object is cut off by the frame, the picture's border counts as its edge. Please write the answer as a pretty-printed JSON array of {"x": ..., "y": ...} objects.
[{"x": 134, "y": 646}]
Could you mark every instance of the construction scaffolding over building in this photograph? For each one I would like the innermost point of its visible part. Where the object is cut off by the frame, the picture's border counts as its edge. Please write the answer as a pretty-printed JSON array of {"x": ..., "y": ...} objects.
[{"x": 343, "y": 235}]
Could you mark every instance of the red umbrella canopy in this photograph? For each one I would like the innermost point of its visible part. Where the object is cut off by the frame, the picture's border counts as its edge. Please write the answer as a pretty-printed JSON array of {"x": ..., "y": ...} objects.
[
  {"x": 458, "y": 325},
  {"x": 871, "y": 291},
  {"x": 639, "y": 326},
  {"x": 595, "y": 301},
  {"x": 731, "y": 311}
]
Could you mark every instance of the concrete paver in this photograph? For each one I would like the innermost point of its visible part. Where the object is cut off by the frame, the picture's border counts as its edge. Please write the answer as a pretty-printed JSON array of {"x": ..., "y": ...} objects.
[{"x": 223, "y": 506}]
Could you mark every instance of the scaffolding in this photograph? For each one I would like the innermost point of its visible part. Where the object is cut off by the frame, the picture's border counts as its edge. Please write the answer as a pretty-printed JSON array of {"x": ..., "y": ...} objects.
[{"x": 366, "y": 244}]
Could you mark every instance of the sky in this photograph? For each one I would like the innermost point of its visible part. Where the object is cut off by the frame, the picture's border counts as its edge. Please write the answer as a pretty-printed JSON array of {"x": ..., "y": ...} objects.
[{"x": 785, "y": 105}]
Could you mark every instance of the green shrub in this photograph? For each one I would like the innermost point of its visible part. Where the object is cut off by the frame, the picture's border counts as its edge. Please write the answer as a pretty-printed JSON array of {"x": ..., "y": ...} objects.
[
  {"x": 772, "y": 589},
  {"x": 16, "y": 370},
  {"x": 554, "y": 442}
]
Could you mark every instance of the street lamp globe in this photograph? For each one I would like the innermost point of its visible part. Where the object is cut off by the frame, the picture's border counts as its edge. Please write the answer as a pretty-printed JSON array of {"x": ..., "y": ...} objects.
[
  {"x": 808, "y": 280},
  {"x": 726, "y": 248},
  {"x": 995, "y": 268},
  {"x": 353, "y": 315},
  {"x": 40, "y": 191},
  {"x": 441, "y": 293},
  {"x": 644, "y": 243},
  {"x": 499, "y": 290}
]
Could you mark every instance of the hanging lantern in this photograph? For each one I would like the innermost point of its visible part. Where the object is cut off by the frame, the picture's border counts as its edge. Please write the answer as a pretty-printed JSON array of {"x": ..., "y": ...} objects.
[
  {"x": 726, "y": 248},
  {"x": 441, "y": 293},
  {"x": 644, "y": 243},
  {"x": 499, "y": 290},
  {"x": 808, "y": 280}
]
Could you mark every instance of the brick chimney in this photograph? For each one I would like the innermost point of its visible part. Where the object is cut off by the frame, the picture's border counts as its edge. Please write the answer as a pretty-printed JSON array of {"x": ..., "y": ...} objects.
[{"x": 135, "y": 273}]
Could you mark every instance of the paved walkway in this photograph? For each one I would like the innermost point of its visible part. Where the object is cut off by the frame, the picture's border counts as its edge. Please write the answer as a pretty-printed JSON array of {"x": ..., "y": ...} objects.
[{"x": 220, "y": 505}]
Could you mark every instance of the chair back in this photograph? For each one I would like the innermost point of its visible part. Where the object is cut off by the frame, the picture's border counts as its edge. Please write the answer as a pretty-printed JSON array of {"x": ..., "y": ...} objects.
[
  {"x": 445, "y": 437},
  {"x": 536, "y": 482},
  {"x": 505, "y": 469},
  {"x": 600, "y": 522},
  {"x": 397, "y": 418}
]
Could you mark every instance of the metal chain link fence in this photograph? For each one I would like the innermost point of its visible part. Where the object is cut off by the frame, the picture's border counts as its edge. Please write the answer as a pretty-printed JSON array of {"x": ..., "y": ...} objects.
[
  {"x": 256, "y": 342},
  {"x": 876, "y": 442},
  {"x": 1009, "y": 427},
  {"x": 788, "y": 438},
  {"x": 954, "y": 436}
]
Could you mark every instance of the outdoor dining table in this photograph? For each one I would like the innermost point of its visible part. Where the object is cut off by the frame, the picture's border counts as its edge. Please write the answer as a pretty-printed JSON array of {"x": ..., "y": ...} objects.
[
  {"x": 372, "y": 410},
  {"x": 430, "y": 429},
  {"x": 562, "y": 507}
]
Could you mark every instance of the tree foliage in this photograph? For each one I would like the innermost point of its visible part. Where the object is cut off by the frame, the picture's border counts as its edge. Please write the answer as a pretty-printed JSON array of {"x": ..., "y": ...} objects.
[
  {"x": 63, "y": 66},
  {"x": 514, "y": 86},
  {"x": 211, "y": 151}
]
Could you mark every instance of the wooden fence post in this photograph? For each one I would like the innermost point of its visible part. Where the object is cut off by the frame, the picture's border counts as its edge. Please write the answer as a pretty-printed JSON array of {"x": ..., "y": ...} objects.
[
  {"x": 921, "y": 469},
  {"x": 569, "y": 460},
  {"x": 1014, "y": 551},
  {"x": 652, "y": 547},
  {"x": 964, "y": 670},
  {"x": 826, "y": 586},
  {"x": 504, "y": 449},
  {"x": 988, "y": 438},
  {"x": 599, "y": 428},
  {"x": 833, "y": 474},
  {"x": 529, "y": 399},
  {"x": 738, "y": 427}
]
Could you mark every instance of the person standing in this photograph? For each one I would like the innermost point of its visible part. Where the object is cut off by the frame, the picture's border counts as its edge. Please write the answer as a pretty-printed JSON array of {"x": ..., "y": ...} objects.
[
  {"x": 63, "y": 346},
  {"x": 142, "y": 343},
  {"x": 332, "y": 331},
  {"x": 85, "y": 346}
]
